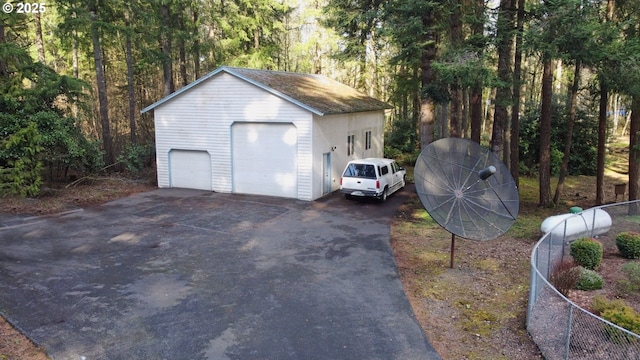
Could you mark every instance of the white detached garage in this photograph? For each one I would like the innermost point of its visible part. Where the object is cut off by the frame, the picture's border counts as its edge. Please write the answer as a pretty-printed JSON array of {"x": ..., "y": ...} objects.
[{"x": 264, "y": 132}]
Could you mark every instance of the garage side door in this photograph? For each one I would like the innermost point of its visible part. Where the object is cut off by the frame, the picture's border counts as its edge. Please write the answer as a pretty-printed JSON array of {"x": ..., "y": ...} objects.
[
  {"x": 190, "y": 169},
  {"x": 265, "y": 159}
]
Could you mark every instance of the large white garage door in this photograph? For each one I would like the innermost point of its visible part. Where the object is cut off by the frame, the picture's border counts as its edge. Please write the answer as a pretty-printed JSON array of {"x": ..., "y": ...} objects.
[
  {"x": 264, "y": 159},
  {"x": 190, "y": 169}
]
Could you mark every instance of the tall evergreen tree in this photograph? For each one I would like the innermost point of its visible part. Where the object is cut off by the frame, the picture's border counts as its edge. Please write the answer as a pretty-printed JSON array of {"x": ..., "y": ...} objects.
[
  {"x": 356, "y": 20},
  {"x": 96, "y": 8}
]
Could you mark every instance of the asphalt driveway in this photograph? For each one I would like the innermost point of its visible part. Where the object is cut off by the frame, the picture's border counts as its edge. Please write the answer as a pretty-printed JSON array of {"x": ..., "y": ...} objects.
[{"x": 185, "y": 274}]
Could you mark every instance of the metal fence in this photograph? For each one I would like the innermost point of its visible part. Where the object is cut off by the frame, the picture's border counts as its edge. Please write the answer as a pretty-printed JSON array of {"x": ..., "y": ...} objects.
[{"x": 561, "y": 328}]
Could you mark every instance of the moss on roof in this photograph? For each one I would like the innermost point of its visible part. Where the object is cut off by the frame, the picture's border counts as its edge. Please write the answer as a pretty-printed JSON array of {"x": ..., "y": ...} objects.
[{"x": 316, "y": 91}]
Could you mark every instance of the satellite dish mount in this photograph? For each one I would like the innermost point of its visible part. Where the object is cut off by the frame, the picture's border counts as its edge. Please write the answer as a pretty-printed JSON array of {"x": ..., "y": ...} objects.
[{"x": 466, "y": 189}]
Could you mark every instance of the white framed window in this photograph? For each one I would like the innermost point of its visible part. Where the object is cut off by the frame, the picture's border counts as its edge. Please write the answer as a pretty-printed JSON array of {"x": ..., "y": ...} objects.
[
  {"x": 367, "y": 140},
  {"x": 351, "y": 144}
]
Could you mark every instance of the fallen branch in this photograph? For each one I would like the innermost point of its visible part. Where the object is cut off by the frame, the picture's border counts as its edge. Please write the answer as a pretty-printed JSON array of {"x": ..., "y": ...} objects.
[{"x": 92, "y": 177}]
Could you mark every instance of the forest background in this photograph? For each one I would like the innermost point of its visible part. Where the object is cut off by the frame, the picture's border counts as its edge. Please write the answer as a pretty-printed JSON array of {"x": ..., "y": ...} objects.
[{"x": 547, "y": 84}]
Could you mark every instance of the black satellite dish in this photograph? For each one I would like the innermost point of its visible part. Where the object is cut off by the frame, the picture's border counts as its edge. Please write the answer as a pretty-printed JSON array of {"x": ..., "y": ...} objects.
[{"x": 466, "y": 189}]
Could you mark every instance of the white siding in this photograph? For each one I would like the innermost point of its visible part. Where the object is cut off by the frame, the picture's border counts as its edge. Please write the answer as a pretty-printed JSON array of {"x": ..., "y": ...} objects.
[
  {"x": 201, "y": 119},
  {"x": 332, "y": 131}
]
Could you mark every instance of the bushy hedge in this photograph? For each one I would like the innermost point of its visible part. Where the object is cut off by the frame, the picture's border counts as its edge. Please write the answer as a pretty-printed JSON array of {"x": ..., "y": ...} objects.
[
  {"x": 589, "y": 280},
  {"x": 628, "y": 244},
  {"x": 631, "y": 283},
  {"x": 618, "y": 312},
  {"x": 587, "y": 252},
  {"x": 19, "y": 164}
]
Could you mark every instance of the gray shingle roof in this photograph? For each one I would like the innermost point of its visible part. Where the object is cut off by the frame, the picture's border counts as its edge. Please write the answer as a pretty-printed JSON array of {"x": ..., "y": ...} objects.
[{"x": 315, "y": 93}]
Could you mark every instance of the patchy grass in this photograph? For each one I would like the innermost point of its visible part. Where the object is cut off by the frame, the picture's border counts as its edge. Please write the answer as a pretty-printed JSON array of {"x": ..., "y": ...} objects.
[
  {"x": 463, "y": 309},
  {"x": 477, "y": 309}
]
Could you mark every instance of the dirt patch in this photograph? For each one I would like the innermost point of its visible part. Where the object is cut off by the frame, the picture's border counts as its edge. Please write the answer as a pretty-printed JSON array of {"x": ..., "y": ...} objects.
[
  {"x": 89, "y": 192},
  {"x": 475, "y": 310},
  {"x": 15, "y": 346}
]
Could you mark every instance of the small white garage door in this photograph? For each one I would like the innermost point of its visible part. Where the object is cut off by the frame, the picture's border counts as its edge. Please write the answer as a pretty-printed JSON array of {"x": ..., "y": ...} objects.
[
  {"x": 190, "y": 169},
  {"x": 265, "y": 159}
]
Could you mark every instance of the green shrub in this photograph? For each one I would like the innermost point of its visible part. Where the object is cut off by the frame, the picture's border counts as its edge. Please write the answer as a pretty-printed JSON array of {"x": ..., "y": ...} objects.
[
  {"x": 619, "y": 313},
  {"x": 19, "y": 165},
  {"x": 587, "y": 252},
  {"x": 600, "y": 303},
  {"x": 632, "y": 282},
  {"x": 625, "y": 317},
  {"x": 628, "y": 244},
  {"x": 135, "y": 156},
  {"x": 589, "y": 280},
  {"x": 391, "y": 152}
]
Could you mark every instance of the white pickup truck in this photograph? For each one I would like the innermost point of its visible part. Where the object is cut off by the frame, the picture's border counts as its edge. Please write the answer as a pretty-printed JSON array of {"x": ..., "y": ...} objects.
[{"x": 372, "y": 177}]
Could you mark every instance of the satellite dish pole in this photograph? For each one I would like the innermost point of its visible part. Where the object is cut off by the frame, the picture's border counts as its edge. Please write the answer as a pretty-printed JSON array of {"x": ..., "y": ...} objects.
[
  {"x": 483, "y": 174},
  {"x": 453, "y": 249}
]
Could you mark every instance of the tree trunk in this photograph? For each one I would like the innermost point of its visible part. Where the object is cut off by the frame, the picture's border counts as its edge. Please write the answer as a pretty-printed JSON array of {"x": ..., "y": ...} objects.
[
  {"x": 441, "y": 121},
  {"x": 427, "y": 77},
  {"x": 102, "y": 88},
  {"x": 573, "y": 97},
  {"x": 427, "y": 115},
  {"x": 476, "y": 113},
  {"x": 455, "y": 124},
  {"x": 506, "y": 142},
  {"x": 39, "y": 39},
  {"x": 416, "y": 114},
  {"x": 196, "y": 46},
  {"x": 602, "y": 141},
  {"x": 465, "y": 114},
  {"x": 182, "y": 50},
  {"x": 456, "y": 37},
  {"x": 503, "y": 93},
  {"x": 74, "y": 56},
  {"x": 165, "y": 44},
  {"x": 476, "y": 90},
  {"x": 130, "y": 83},
  {"x": 545, "y": 134},
  {"x": 183, "y": 63},
  {"x": 515, "y": 110},
  {"x": 634, "y": 154},
  {"x": 3, "y": 64}
]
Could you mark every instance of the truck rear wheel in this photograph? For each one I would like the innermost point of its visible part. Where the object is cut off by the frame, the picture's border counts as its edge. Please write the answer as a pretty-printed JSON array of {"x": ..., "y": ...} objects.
[{"x": 383, "y": 196}]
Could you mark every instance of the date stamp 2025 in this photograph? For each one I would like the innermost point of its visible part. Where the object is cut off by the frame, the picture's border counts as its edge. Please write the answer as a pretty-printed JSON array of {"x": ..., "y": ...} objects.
[{"x": 24, "y": 8}]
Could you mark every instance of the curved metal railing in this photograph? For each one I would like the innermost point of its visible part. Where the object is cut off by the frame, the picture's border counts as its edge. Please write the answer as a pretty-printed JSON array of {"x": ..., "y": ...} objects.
[{"x": 561, "y": 328}]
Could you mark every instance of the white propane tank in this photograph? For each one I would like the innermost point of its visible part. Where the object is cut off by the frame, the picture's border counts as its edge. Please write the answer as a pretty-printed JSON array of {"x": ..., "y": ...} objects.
[{"x": 588, "y": 223}]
